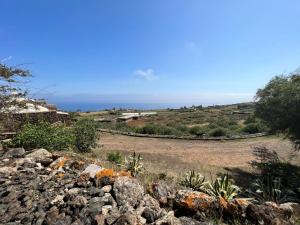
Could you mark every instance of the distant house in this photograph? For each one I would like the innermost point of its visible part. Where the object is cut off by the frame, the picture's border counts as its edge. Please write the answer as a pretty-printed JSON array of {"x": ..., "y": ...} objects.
[{"x": 126, "y": 117}]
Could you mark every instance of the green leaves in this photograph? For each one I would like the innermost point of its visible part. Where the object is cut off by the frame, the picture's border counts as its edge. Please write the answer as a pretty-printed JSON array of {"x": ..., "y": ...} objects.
[
  {"x": 222, "y": 187},
  {"x": 279, "y": 103},
  {"x": 85, "y": 134},
  {"x": 44, "y": 135},
  {"x": 194, "y": 181}
]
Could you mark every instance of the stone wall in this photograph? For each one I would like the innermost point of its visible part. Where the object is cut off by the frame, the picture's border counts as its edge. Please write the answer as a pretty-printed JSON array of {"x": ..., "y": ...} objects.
[
  {"x": 236, "y": 137},
  {"x": 13, "y": 122}
]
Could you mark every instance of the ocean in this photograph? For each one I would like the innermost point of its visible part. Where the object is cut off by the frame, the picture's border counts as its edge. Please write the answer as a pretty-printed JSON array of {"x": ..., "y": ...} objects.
[{"x": 67, "y": 106}]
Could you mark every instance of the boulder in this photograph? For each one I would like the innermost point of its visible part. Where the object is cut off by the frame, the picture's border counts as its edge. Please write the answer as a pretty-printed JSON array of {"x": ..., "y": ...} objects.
[
  {"x": 151, "y": 209},
  {"x": 14, "y": 153},
  {"x": 41, "y": 156},
  {"x": 92, "y": 169},
  {"x": 268, "y": 213},
  {"x": 162, "y": 192},
  {"x": 128, "y": 191},
  {"x": 195, "y": 201}
]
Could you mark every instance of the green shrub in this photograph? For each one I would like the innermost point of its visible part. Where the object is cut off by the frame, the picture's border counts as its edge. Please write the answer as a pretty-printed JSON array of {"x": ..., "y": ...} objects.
[
  {"x": 252, "y": 128},
  {"x": 44, "y": 135},
  {"x": 198, "y": 131},
  {"x": 115, "y": 157},
  {"x": 85, "y": 134},
  {"x": 218, "y": 132}
]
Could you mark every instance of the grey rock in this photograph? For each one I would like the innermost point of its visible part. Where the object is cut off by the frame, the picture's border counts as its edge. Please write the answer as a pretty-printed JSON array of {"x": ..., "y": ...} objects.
[
  {"x": 41, "y": 156},
  {"x": 92, "y": 169},
  {"x": 168, "y": 219},
  {"x": 96, "y": 192},
  {"x": 113, "y": 215},
  {"x": 128, "y": 190},
  {"x": 106, "y": 188},
  {"x": 14, "y": 153},
  {"x": 128, "y": 218}
]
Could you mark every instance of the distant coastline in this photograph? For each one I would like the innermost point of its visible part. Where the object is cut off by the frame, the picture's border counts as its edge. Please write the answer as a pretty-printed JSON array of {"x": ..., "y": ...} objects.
[{"x": 102, "y": 106}]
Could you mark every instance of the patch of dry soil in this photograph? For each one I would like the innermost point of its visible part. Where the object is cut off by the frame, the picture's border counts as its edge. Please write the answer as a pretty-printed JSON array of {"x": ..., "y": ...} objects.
[{"x": 169, "y": 155}]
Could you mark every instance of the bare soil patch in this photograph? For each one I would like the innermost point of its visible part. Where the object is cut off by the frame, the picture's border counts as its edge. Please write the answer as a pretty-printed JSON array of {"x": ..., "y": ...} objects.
[{"x": 177, "y": 156}]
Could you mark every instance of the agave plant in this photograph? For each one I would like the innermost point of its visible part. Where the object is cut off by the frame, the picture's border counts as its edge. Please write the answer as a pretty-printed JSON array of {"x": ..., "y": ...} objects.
[
  {"x": 222, "y": 187},
  {"x": 269, "y": 188},
  {"x": 134, "y": 164},
  {"x": 194, "y": 181}
]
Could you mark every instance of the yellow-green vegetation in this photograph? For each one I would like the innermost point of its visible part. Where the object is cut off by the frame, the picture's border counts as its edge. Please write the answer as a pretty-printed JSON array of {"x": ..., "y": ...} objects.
[{"x": 214, "y": 121}]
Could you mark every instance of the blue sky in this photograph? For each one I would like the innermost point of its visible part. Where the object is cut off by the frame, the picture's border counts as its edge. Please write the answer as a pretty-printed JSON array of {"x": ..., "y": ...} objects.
[{"x": 158, "y": 51}]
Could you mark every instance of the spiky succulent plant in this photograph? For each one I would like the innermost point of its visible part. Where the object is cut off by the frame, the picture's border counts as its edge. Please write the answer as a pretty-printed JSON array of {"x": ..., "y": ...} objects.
[
  {"x": 194, "y": 180},
  {"x": 222, "y": 187}
]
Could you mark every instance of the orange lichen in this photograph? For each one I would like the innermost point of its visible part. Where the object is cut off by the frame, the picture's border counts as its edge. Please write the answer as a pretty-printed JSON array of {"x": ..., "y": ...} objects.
[
  {"x": 60, "y": 163},
  {"x": 223, "y": 203},
  {"x": 197, "y": 201},
  {"x": 105, "y": 173},
  {"x": 124, "y": 173}
]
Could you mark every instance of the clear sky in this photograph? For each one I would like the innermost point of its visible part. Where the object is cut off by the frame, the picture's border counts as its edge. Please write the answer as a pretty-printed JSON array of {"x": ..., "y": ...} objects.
[{"x": 150, "y": 51}]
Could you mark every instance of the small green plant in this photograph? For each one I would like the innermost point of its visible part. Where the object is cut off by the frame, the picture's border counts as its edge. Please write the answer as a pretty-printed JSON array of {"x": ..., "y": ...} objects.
[
  {"x": 85, "y": 134},
  {"x": 44, "y": 135},
  {"x": 134, "y": 164},
  {"x": 268, "y": 188},
  {"x": 252, "y": 128},
  {"x": 194, "y": 181},
  {"x": 115, "y": 157},
  {"x": 222, "y": 187}
]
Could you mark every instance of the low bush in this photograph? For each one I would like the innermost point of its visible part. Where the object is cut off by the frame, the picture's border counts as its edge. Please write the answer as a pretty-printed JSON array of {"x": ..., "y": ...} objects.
[
  {"x": 85, "y": 134},
  {"x": 252, "y": 128},
  {"x": 44, "y": 135},
  {"x": 218, "y": 132},
  {"x": 198, "y": 131},
  {"x": 115, "y": 157}
]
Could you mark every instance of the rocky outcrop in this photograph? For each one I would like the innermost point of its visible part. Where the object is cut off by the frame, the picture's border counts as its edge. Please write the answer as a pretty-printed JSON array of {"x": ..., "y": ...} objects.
[{"x": 41, "y": 188}]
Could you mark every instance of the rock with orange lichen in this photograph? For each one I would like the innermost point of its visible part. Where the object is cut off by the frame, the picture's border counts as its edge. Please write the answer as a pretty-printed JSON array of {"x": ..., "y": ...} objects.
[
  {"x": 59, "y": 163},
  {"x": 195, "y": 201},
  {"x": 105, "y": 177}
]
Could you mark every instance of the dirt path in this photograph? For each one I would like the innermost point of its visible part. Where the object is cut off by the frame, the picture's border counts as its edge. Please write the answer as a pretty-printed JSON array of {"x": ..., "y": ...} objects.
[{"x": 177, "y": 155}]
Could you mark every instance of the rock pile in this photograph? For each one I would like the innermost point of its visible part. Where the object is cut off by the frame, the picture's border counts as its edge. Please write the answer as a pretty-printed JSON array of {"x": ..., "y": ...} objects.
[{"x": 42, "y": 188}]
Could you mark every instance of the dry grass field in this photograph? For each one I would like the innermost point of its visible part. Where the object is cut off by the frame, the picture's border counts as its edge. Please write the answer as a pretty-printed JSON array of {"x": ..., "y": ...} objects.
[{"x": 175, "y": 157}]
